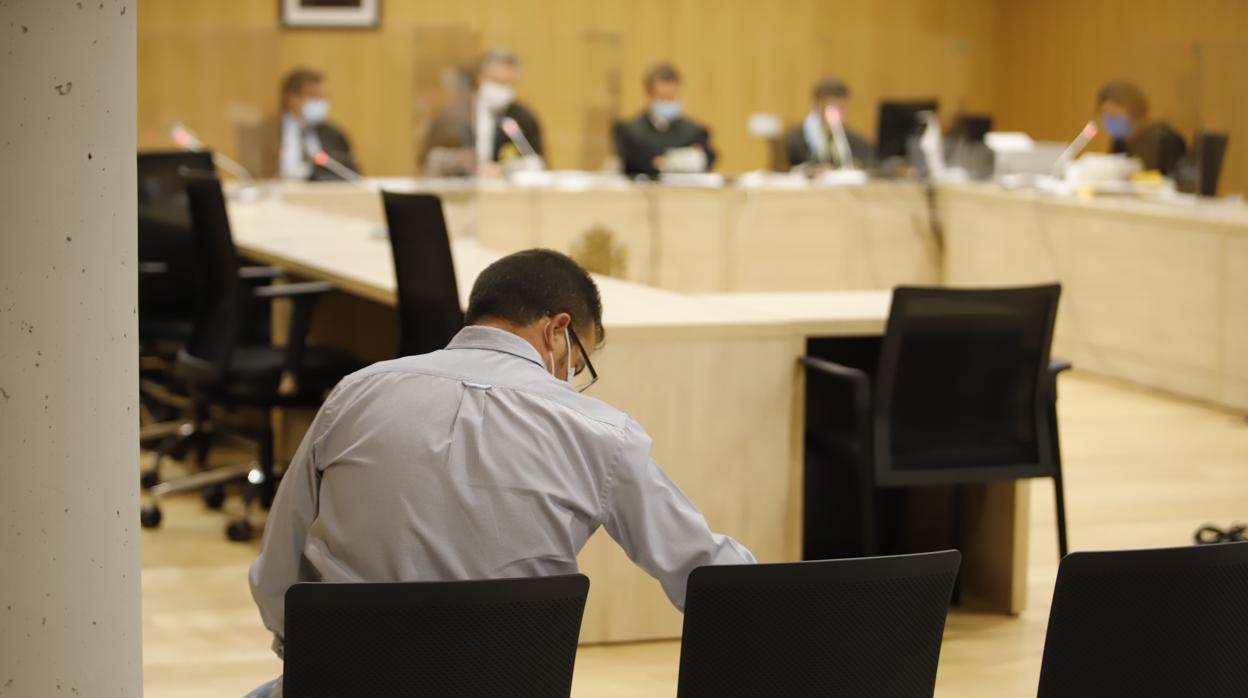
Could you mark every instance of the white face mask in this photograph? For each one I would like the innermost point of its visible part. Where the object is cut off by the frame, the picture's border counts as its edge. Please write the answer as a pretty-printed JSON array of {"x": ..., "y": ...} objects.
[
  {"x": 496, "y": 96},
  {"x": 315, "y": 110},
  {"x": 567, "y": 339}
]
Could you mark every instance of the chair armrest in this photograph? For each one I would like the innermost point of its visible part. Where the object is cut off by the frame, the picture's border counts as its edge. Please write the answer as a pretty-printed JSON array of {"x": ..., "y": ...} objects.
[
  {"x": 303, "y": 298},
  {"x": 153, "y": 268},
  {"x": 833, "y": 369},
  {"x": 855, "y": 379},
  {"x": 305, "y": 288},
  {"x": 1057, "y": 366},
  {"x": 261, "y": 273}
]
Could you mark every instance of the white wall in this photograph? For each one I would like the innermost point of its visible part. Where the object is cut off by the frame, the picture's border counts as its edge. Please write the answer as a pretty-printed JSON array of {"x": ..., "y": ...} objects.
[{"x": 69, "y": 557}]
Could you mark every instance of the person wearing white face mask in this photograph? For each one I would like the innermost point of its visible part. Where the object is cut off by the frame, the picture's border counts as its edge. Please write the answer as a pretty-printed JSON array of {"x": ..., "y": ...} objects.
[
  {"x": 467, "y": 136},
  {"x": 662, "y": 134},
  {"x": 484, "y": 460},
  {"x": 305, "y": 130}
]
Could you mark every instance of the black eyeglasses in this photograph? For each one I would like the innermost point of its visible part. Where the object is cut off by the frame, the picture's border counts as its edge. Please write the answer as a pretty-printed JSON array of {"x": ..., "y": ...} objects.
[{"x": 578, "y": 377}]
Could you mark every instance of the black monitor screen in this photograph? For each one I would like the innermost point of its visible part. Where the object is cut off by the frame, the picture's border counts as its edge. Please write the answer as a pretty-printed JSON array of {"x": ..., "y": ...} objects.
[{"x": 898, "y": 121}]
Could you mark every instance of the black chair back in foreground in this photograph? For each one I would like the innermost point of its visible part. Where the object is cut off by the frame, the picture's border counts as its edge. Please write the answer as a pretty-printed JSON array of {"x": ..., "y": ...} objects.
[
  {"x": 856, "y": 627},
  {"x": 429, "y": 310},
  {"x": 1141, "y": 623},
  {"x": 502, "y": 637}
]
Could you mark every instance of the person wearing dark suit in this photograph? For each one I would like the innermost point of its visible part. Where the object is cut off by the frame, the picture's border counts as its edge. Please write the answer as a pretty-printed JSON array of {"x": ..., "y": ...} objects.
[
  {"x": 467, "y": 135},
  {"x": 662, "y": 137},
  {"x": 812, "y": 144},
  {"x": 305, "y": 130},
  {"x": 1124, "y": 114}
]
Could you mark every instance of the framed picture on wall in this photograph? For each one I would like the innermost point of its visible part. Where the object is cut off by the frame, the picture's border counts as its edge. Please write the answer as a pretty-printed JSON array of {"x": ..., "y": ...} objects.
[{"x": 330, "y": 13}]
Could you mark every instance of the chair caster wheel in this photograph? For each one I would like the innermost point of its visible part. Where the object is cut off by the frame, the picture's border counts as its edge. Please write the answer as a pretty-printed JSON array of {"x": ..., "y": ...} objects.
[
  {"x": 149, "y": 516},
  {"x": 239, "y": 531},
  {"x": 213, "y": 496},
  {"x": 149, "y": 479}
]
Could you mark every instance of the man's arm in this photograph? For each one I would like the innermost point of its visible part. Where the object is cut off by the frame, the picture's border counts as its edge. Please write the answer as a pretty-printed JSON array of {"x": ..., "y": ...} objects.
[
  {"x": 704, "y": 139},
  {"x": 656, "y": 524},
  {"x": 281, "y": 553}
]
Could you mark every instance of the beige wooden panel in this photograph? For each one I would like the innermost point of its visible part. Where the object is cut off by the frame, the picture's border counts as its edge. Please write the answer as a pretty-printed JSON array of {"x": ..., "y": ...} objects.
[
  {"x": 1148, "y": 292},
  {"x": 507, "y": 219},
  {"x": 1234, "y": 323},
  {"x": 691, "y": 226},
  {"x": 606, "y": 229}
]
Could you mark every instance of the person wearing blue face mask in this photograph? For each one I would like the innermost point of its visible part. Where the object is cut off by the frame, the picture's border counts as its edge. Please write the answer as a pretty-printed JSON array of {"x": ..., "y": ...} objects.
[
  {"x": 662, "y": 135},
  {"x": 1124, "y": 114},
  {"x": 305, "y": 130}
]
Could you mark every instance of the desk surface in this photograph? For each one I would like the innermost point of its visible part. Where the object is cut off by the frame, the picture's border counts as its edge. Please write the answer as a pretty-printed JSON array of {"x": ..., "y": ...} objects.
[
  {"x": 355, "y": 255},
  {"x": 820, "y": 313}
]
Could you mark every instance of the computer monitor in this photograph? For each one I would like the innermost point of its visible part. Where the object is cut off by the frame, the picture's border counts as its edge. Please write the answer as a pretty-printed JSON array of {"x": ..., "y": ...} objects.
[
  {"x": 1209, "y": 149},
  {"x": 898, "y": 122}
]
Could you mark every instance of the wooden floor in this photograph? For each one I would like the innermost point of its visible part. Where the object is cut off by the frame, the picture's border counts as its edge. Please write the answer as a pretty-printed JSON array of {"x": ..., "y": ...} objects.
[{"x": 1142, "y": 470}]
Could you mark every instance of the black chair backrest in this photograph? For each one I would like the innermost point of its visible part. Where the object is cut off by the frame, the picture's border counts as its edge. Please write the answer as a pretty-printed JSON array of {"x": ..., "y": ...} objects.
[
  {"x": 857, "y": 627},
  {"x": 1209, "y": 151},
  {"x": 429, "y": 310},
  {"x": 963, "y": 385},
  {"x": 221, "y": 298},
  {"x": 160, "y": 175},
  {"x": 1168, "y": 622},
  {"x": 503, "y": 637},
  {"x": 165, "y": 233}
]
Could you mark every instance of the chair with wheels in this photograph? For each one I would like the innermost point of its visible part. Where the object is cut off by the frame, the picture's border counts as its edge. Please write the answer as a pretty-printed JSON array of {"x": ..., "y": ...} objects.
[
  {"x": 429, "y": 310},
  {"x": 1144, "y": 623},
  {"x": 501, "y": 637},
  {"x": 855, "y": 627},
  {"x": 220, "y": 371},
  {"x": 964, "y": 392}
]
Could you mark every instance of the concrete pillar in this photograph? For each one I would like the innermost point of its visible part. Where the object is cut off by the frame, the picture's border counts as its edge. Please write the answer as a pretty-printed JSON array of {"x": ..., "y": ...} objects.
[{"x": 69, "y": 557}]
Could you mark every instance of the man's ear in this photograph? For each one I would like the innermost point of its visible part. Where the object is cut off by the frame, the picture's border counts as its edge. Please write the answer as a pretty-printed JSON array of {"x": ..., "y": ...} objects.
[{"x": 560, "y": 322}]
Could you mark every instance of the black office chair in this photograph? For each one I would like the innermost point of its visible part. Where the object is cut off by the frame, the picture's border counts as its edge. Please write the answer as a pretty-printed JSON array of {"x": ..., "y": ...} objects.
[
  {"x": 219, "y": 369},
  {"x": 429, "y": 310},
  {"x": 964, "y": 392},
  {"x": 1142, "y": 623},
  {"x": 857, "y": 627},
  {"x": 503, "y": 637}
]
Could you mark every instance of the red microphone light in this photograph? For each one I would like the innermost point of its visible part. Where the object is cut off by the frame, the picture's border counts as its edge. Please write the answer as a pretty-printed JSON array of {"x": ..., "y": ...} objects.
[
  {"x": 1089, "y": 131},
  {"x": 321, "y": 158},
  {"x": 182, "y": 138}
]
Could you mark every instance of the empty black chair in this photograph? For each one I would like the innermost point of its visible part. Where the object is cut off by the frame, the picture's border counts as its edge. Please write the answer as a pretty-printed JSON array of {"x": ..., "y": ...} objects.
[
  {"x": 219, "y": 368},
  {"x": 857, "y": 627},
  {"x": 964, "y": 392},
  {"x": 1144, "y": 623},
  {"x": 503, "y": 637},
  {"x": 429, "y": 310}
]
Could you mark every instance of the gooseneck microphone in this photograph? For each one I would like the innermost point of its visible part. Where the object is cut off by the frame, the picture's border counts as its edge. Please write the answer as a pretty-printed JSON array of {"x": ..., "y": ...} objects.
[
  {"x": 1080, "y": 142},
  {"x": 186, "y": 139}
]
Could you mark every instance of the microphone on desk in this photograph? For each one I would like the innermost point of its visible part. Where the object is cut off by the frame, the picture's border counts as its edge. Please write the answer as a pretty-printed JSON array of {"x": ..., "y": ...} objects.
[
  {"x": 1080, "y": 142},
  {"x": 832, "y": 116},
  {"x": 324, "y": 159},
  {"x": 516, "y": 135},
  {"x": 186, "y": 139}
]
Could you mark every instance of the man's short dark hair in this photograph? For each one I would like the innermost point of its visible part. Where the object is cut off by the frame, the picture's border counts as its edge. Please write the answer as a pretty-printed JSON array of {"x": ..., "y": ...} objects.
[
  {"x": 527, "y": 286},
  {"x": 1126, "y": 94},
  {"x": 661, "y": 72},
  {"x": 298, "y": 78},
  {"x": 830, "y": 88}
]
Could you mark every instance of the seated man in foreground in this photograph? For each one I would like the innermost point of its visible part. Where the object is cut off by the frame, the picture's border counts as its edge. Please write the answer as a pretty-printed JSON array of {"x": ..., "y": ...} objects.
[{"x": 482, "y": 460}]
